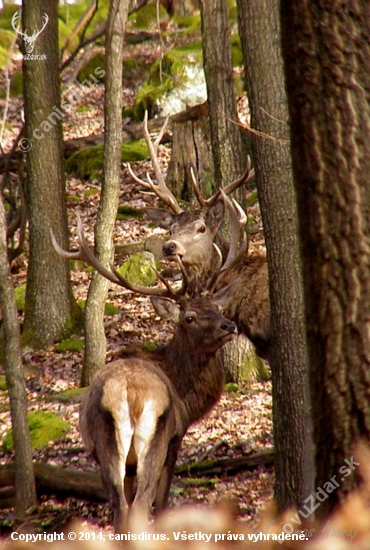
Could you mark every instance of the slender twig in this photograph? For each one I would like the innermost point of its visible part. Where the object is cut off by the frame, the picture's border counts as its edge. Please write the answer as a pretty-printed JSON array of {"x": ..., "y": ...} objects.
[
  {"x": 256, "y": 132},
  {"x": 272, "y": 117}
]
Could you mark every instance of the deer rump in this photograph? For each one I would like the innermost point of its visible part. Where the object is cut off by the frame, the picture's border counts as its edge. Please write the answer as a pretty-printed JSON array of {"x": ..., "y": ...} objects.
[{"x": 132, "y": 422}]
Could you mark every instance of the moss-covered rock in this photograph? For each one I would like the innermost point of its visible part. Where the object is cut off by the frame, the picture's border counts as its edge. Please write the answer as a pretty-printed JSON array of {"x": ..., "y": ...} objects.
[
  {"x": 20, "y": 296},
  {"x": 91, "y": 191},
  {"x": 44, "y": 427},
  {"x": 126, "y": 212},
  {"x": 110, "y": 309},
  {"x": 70, "y": 344},
  {"x": 146, "y": 18},
  {"x": 90, "y": 71},
  {"x": 84, "y": 163},
  {"x": 179, "y": 73},
  {"x": 139, "y": 269},
  {"x": 231, "y": 387},
  {"x": 69, "y": 396},
  {"x": 190, "y": 25}
]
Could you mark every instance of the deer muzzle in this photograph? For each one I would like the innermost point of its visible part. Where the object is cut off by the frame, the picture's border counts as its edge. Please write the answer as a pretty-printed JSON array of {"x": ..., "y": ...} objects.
[{"x": 173, "y": 248}]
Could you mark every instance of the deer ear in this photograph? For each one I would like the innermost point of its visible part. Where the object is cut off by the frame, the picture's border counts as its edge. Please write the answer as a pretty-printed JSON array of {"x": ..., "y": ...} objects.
[
  {"x": 166, "y": 308},
  {"x": 161, "y": 217},
  {"x": 215, "y": 215},
  {"x": 226, "y": 295}
]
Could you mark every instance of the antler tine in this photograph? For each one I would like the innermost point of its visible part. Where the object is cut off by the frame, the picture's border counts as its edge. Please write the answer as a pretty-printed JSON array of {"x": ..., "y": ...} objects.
[
  {"x": 160, "y": 188},
  {"x": 216, "y": 269},
  {"x": 197, "y": 192},
  {"x": 86, "y": 255},
  {"x": 247, "y": 176},
  {"x": 238, "y": 219}
]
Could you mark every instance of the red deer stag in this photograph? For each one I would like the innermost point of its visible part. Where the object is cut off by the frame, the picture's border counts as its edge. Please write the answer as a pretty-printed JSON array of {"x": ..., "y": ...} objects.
[
  {"x": 138, "y": 408},
  {"x": 192, "y": 238}
]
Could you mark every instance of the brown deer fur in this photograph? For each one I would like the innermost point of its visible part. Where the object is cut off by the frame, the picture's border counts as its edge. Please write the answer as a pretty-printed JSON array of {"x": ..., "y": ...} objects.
[
  {"x": 139, "y": 407},
  {"x": 192, "y": 235}
]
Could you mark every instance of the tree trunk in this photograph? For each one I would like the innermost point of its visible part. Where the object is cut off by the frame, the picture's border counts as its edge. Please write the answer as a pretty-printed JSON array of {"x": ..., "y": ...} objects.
[
  {"x": 260, "y": 34},
  {"x": 191, "y": 148},
  {"x": 95, "y": 343},
  {"x": 326, "y": 53},
  {"x": 228, "y": 155},
  {"x": 50, "y": 310},
  {"x": 241, "y": 363},
  {"x": 25, "y": 490}
]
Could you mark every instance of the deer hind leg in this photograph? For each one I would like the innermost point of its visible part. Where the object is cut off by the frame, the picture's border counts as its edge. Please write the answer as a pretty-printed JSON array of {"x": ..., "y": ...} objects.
[
  {"x": 151, "y": 444},
  {"x": 167, "y": 474}
]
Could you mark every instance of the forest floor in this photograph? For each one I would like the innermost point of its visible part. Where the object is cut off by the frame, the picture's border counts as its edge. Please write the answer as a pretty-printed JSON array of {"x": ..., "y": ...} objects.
[{"x": 240, "y": 424}]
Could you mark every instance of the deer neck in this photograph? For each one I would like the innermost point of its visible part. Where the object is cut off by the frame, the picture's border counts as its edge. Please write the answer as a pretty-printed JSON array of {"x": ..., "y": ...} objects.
[
  {"x": 197, "y": 377},
  {"x": 200, "y": 272}
]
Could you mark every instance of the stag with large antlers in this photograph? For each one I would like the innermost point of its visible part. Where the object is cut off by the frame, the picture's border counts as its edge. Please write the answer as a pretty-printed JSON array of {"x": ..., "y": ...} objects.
[
  {"x": 193, "y": 236},
  {"x": 138, "y": 408}
]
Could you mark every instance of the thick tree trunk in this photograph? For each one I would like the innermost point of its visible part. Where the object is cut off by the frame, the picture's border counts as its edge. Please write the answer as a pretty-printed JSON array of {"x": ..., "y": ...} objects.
[
  {"x": 25, "y": 491},
  {"x": 95, "y": 343},
  {"x": 191, "y": 148},
  {"x": 260, "y": 34},
  {"x": 50, "y": 309},
  {"x": 326, "y": 49}
]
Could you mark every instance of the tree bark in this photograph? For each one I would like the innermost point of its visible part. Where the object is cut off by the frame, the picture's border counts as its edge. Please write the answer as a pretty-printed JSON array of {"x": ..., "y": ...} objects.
[
  {"x": 227, "y": 149},
  {"x": 326, "y": 48},
  {"x": 25, "y": 490},
  {"x": 95, "y": 343},
  {"x": 191, "y": 148},
  {"x": 50, "y": 310},
  {"x": 260, "y": 34}
]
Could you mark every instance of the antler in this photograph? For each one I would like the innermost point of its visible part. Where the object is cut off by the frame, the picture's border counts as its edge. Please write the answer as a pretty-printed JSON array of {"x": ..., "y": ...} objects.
[
  {"x": 247, "y": 176},
  {"x": 238, "y": 220},
  {"x": 86, "y": 255},
  {"x": 160, "y": 188}
]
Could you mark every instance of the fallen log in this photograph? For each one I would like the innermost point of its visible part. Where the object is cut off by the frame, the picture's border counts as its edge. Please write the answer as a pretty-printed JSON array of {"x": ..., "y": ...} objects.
[
  {"x": 65, "y": 481},
  {"x": 227, "y": 465},
  {"x": 52, "y": 479}
]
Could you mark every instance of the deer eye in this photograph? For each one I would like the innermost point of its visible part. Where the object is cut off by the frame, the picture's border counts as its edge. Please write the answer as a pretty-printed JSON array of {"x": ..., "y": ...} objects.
[
  {"x": 189, "y": 319},
  {"x": 202, "y": 229}
]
